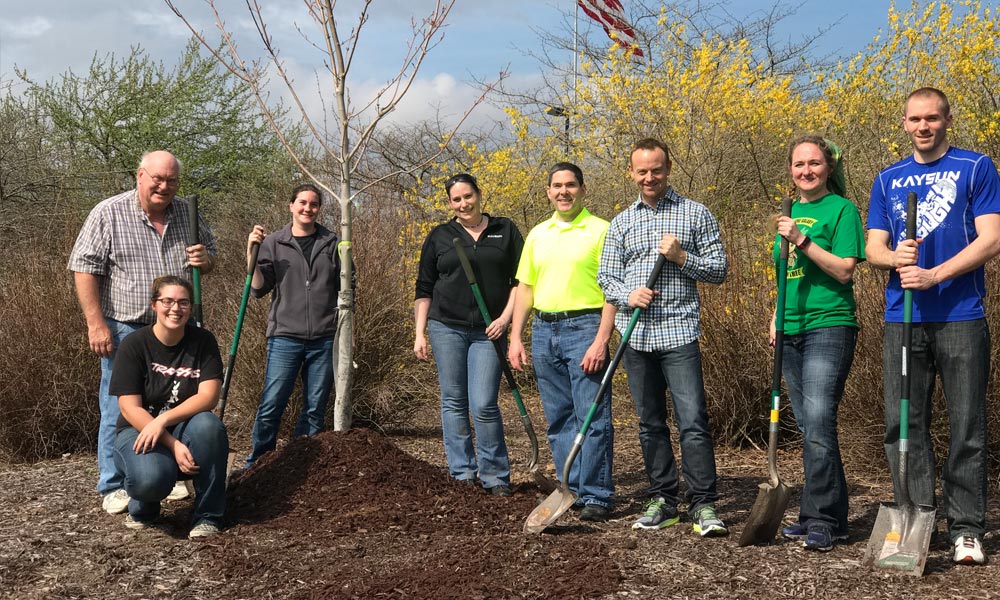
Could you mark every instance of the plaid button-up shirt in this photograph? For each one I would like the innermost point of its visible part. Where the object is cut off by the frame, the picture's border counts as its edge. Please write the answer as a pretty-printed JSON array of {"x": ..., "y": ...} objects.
[
  {"x": 119, "y": 244},
  {"x": 630, "y": 251}
]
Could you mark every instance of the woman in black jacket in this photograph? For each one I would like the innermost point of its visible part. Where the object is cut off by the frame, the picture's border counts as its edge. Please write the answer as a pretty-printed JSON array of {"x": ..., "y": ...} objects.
[{"x": 468, "y": 367}]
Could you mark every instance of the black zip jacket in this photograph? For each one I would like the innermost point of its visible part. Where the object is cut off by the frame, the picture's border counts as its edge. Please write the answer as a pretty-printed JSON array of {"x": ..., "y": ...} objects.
[{"x": 494, "y": 260}]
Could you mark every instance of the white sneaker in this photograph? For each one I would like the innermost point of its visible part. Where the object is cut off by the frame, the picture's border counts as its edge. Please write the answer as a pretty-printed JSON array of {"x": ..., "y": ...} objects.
[
  {"x": 969, "y": 551},
  {"x": 179, "y": 492},
  {"x": 115, "y": 502},
  {"x": 202, "y": 530}
]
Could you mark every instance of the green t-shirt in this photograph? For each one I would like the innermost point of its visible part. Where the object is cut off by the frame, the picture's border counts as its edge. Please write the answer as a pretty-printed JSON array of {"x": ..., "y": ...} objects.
[{"x": 814, "y": 299}]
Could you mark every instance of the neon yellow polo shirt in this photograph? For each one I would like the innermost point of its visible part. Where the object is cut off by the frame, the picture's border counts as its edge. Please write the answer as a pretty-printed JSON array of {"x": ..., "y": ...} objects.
[{"x": 560, "y": 263}]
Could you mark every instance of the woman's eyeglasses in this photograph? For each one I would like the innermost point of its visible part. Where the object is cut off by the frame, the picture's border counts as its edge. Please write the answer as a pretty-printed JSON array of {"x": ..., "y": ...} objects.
[{"x": 169, "y": 303}]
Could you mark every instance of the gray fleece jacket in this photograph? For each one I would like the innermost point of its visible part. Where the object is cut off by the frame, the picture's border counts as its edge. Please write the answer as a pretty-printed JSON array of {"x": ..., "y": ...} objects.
[{"x": 303, "y": 297}]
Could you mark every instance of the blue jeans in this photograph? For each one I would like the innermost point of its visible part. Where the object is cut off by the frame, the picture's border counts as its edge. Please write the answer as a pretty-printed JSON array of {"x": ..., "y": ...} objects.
[
  {"x": 557, "y": 349},
  {"x": 286, "y": 356},
  {"x": 109, "y": 478},
  {"x": 960, "y": 353},
  {"x": 150, "y": 477},
  {"x": 816, "y": 364},
  {"x": 650, "y": 375},
  {"x": 469, "y": 375}
]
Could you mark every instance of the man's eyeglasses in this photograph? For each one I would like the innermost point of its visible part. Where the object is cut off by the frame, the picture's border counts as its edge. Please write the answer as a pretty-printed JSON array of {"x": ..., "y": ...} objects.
[
  {"x": 169, "y": 181},
  {"x": 169, "y": 303}
]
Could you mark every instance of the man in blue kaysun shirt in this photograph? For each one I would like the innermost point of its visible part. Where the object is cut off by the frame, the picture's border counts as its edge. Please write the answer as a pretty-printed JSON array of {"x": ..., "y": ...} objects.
[{"x": 958, "y": 230}]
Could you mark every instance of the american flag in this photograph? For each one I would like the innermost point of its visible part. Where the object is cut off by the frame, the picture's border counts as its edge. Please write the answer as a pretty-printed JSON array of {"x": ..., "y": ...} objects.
[{"x": 611, "y": 15}]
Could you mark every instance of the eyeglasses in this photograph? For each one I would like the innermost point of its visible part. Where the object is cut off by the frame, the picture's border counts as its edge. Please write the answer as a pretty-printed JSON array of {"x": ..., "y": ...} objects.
[
  {"x": 169, "y": 303},
  {"x": 158, "y": 180}
]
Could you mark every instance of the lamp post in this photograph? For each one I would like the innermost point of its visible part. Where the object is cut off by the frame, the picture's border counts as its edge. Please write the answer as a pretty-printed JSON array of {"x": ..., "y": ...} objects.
[{"x": 559, "y": 111}]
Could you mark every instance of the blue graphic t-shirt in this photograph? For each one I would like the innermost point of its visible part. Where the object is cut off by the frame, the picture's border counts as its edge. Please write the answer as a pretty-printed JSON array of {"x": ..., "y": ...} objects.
[{"x": 951, "y": 192}]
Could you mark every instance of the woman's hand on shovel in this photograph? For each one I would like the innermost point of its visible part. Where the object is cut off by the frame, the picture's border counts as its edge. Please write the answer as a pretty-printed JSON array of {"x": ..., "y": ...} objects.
[{"x": 772, "y": 331}]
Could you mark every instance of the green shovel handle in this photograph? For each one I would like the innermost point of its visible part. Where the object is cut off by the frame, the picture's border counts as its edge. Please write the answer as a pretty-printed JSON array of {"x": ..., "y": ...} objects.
[
  {"x": 774, "y": 416},
  {"x": 508, "y": 374},
  {"x": 904, "y": 396},
  {"x": 231, "y": 359},
  {"x": 610, "y": 371},
  {"x": 193, "y": 240}
]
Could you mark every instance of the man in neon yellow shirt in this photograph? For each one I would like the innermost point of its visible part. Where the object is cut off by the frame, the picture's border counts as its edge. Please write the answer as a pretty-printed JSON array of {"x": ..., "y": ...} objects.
[{"x": 557, "y": 277}]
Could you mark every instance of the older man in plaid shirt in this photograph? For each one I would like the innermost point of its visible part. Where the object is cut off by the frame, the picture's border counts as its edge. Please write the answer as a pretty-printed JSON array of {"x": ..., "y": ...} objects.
[
  {"x": 663, "y": 351},
  {"x": 127, "y": 241}
]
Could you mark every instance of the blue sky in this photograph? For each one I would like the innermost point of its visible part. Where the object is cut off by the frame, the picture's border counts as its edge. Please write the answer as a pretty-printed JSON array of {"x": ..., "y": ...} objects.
[{"x": 47, "y": 37}]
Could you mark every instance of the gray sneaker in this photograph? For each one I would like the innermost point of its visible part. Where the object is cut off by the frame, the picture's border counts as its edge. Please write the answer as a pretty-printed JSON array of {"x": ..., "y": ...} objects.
[
  {"x": 136, "y": 524},
  {"x": 658, "y": 515},
  {"x": 203, "y": 530},
  {"x": 116, "y": 502},
  {"x": 707, "y": 524}
]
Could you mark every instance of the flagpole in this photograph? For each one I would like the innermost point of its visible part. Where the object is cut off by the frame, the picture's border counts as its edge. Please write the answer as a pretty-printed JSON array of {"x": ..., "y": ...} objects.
[{"x": 576, "y": 56}]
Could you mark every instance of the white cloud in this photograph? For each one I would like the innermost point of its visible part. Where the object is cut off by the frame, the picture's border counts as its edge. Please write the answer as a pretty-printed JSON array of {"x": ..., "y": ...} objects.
[
  {"x": 162, "y": 21},
  {"x": 26, "y": 28}
]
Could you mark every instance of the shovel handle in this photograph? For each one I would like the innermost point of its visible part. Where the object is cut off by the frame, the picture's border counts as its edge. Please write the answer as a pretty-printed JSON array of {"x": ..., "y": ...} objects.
[
  {"x": 904, "y": 380},
  {"x": 231, "y": 359},
  {"x": 781, "y": 275},
  {"x": 193, "y": 240},
  {"x": 610, "y": 371},
  {"x": 463, "y": 258}
]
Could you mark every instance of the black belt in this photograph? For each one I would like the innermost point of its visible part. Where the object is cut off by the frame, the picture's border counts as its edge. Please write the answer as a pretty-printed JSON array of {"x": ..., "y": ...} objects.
[{"x": 551, "y": 317}]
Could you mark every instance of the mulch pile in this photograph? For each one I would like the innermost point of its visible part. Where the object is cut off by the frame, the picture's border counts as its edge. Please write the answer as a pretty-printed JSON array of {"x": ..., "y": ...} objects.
[{"x": 352, "y": 516}]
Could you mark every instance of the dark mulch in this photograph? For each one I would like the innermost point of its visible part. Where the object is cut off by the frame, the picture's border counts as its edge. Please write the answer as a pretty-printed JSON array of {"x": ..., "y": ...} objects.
[
  {"x": 384, "y": 524},
  {"x": 360, "y": 515}
]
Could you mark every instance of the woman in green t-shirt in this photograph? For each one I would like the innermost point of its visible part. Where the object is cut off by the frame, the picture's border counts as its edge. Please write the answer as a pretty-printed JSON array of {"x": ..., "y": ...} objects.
[{"x": 820, "y": 328}]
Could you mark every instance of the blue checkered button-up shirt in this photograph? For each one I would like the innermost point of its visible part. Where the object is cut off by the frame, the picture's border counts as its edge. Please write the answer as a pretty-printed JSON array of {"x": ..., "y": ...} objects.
[{"x": 630, "y": 251}]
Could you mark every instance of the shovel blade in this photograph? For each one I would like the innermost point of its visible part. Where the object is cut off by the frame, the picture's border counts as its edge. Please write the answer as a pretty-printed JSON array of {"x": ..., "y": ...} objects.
[
  {"x": 230, "y": 461},
  {"x": 549, "y": 510},
  {"x": 900, "y": 539},
  {"x": 765, "y": 516}
]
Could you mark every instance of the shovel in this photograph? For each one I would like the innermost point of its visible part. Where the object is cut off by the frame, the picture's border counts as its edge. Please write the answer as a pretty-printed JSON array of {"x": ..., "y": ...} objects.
[
  {"x": 772, "y": 495},
  {"x": 227, "y": 377},
  {"x": 195, "y": 271},
  {"x": 561, "y": 499},
  {"x": 902, "y": 532},
  {"x": 543, "y": 482}
]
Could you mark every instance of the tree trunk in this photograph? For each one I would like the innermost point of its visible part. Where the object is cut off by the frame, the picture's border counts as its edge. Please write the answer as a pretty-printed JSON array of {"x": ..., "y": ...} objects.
[{"x": 343, "y": 349}]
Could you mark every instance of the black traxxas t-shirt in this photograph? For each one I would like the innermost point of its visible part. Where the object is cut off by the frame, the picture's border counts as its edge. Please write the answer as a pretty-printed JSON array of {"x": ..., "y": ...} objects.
[{"x": 163, "y": 375}]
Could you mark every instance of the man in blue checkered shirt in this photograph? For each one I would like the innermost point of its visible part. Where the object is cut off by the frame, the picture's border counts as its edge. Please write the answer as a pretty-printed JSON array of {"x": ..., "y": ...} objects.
[{"x": 663, "y": 351}]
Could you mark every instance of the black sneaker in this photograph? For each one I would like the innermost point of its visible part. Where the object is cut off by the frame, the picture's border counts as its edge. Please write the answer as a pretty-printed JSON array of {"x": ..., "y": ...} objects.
[
  {"x": 500, "y": 490},
  {"x": 595, "y": 513}
]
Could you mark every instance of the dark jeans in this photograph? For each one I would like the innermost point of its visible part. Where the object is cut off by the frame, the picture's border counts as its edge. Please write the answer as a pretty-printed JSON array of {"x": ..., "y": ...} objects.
[
  {"x": 149, "y": 477},
  {"x": 960, "y": 353},
  {"x": 650, "y": 374},
  {"x": 816, "y": 364}
]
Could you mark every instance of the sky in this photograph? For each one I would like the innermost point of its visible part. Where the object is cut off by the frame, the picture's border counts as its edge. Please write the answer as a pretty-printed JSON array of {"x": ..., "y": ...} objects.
[{"x": 48, "y": 37}]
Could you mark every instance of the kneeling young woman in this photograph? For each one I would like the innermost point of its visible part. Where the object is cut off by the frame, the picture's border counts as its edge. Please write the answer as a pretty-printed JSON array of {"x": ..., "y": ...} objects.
[{"x": 167, "y": 377}]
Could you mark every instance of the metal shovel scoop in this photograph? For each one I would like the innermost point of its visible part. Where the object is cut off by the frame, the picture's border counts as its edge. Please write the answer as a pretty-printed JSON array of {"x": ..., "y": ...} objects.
[
  {"x": 772, "y": 495},
  {"x": 561, "y": 499},
  {"x": 902, "y": 533},
  {"x": 543, "y": 482}
]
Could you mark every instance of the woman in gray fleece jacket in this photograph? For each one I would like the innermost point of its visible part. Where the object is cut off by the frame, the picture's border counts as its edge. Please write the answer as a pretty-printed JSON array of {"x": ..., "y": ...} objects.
[{"x": 300, "y": 267}]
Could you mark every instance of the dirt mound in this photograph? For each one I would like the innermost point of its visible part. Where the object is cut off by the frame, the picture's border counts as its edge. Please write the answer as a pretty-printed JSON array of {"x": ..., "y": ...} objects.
[{"x": 350, "y": 515}]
